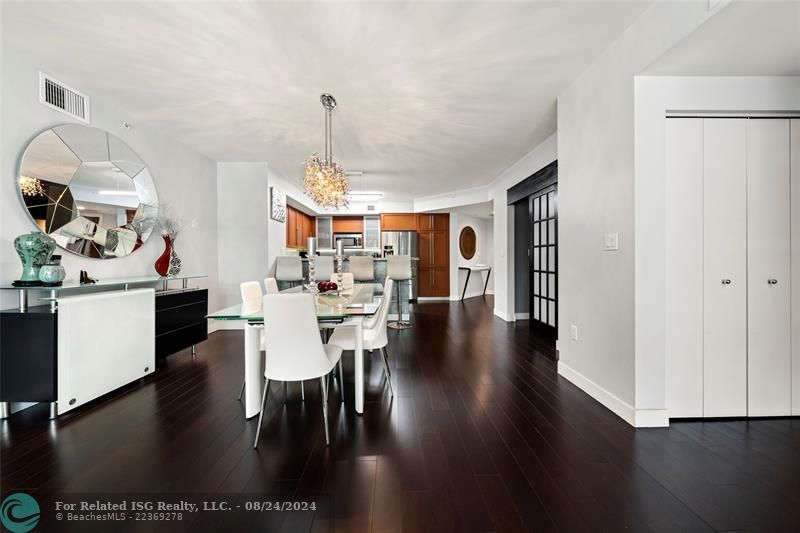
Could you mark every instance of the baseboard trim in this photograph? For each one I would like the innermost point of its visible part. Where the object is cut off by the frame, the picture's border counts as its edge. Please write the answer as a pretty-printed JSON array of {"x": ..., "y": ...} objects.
[
  {"x": 652, "y": 418},
  {"x": 639, "y": 418},
  {"x": 522, "y": 316},
  {"x": 501, "y": 314},
  {"x": 433, "y": 299}
]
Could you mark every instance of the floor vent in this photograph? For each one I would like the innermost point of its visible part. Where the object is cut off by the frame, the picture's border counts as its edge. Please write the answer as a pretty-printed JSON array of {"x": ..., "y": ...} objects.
[
  {"x": 55, "y": 94},
  {"x": 371, "y": 207}
]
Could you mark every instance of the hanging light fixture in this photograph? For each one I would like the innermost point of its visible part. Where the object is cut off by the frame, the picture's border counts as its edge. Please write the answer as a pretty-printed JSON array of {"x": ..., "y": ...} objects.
[
  {"x": 326, "y": 181},
  {"x": 31, "y": 186}
]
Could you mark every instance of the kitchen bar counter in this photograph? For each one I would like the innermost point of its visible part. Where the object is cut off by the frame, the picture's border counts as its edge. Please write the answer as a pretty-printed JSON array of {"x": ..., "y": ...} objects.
[
  {"x": 408, "y": 289},
  {"x": 376, "y": 259}
]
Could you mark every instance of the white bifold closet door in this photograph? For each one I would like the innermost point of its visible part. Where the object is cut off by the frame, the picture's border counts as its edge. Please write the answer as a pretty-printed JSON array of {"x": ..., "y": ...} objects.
[
  {"x": 795, "y": 186},
  {"x": 724, "y": 267},
  {"x": 684, "y": 253},
  {"x": 769, "y": 370}
]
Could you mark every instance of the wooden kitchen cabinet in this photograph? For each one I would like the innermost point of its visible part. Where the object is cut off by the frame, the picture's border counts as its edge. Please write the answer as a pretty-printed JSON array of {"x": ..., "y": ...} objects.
[
  {"x": 433, "y": 234},
  {"x": 299, "y": 227},
  {"x": 398, "y": 222},
  {"x": 348, "y": 224}
]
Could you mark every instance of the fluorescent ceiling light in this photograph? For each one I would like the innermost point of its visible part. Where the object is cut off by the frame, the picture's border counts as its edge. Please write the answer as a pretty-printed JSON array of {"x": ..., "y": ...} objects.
[
  {"x": 365, "y": 195},
  {"x": 118, "y": 193}
]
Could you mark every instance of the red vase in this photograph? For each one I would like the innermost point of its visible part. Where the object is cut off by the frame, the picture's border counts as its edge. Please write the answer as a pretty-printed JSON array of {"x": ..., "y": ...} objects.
[{"x": 162, "y": 263}]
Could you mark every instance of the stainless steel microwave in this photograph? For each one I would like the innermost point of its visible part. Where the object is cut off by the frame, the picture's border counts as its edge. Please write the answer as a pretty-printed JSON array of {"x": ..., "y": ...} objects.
[{"x": 349, "y": 240}]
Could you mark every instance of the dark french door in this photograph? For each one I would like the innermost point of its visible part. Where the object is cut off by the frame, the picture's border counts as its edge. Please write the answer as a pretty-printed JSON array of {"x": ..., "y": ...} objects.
[{"x": 543, "y": 208}]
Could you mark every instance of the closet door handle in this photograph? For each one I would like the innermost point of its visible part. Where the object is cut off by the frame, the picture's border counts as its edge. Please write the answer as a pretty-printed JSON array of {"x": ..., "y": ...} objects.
[
  {"x": 726, "y": 282},
  {"x": 772, "y": 281}
]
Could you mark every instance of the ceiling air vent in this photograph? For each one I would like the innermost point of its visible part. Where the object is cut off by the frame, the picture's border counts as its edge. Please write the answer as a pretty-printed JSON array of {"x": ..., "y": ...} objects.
[
  {"x": 55, "y": 94},
  {"x": 371, "y": 207}
]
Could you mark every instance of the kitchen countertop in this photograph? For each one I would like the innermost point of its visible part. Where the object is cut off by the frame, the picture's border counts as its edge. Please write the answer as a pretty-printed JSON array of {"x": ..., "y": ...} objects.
[{"x": 374, "y": 258}]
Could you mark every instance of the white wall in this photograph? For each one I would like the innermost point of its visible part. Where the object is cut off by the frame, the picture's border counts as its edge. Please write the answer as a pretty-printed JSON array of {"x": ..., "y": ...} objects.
[
  {"x": 484, "y": 254},
  {"x": 596, "y": 196},
  {"x": 185, "y": 180},
  {"x": 654, "y": 97},
  {"x": 503, "y": 232},
  {"x": 242, "y": 214}
]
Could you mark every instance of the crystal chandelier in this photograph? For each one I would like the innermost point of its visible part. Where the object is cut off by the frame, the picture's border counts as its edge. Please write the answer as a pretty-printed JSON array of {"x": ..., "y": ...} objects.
[
  {"x": 30, "y": 186},
  {"x": 325, "y": 181}
]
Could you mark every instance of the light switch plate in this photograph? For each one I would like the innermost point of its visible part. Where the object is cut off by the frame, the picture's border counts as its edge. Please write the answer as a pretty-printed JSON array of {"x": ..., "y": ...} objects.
[
  {"x": 611, "y": 241},
  {"x": 573, "y": 332}
]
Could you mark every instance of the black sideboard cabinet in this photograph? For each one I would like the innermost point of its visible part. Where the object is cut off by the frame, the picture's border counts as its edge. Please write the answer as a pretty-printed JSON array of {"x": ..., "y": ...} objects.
[{"x": 29, "y": 342}]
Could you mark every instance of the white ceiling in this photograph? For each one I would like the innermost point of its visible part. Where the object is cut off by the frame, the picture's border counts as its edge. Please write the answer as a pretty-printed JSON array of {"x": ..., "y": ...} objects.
[
  {"x": 744, "y": 39},
  {"x": 433, "y": 97}
]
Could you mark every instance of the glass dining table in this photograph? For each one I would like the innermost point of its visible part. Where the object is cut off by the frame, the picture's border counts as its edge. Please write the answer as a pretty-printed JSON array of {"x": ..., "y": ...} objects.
[{"x": 345, "y": 309}]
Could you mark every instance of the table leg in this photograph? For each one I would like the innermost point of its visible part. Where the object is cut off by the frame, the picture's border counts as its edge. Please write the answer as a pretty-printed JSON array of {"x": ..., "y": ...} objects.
[
  {"x": 253, "y": 372},
  {"x": 359, "y": 364},
  {"x": 488, "y": 273},
  {"x": 466, "y": 283}
]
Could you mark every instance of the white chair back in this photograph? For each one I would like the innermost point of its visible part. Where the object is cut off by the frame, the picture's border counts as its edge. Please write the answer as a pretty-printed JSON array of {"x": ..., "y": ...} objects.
[
  {"x": 293, "y": 345},
  {"x": 271, "y": 286},
  {"x": 347, "y": 280},
  {"x": 323, "y": 265},
  {"x": 288, "y": 268},
  {"x": 251, "y": 295},
  {"x": 371, "y": 322},
  {"x": 362, "y": 267},
  {"x": 382, "y": 316},
  {"x": 398, "y": 267}
]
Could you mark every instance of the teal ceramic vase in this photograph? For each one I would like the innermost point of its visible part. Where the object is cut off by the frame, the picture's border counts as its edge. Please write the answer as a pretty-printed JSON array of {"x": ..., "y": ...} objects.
[
  {"x": 34, "y": 250},
  {"x": 52, "y": 274}
]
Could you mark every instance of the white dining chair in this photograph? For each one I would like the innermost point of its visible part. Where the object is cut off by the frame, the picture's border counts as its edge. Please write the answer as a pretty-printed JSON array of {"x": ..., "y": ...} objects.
[
  {"x": 294, "y": 349},
  {"x": 347, "y": 280},
  {"x": 252, "y": 300},
  {"x": 251, "y": 296},
  {"x": 271, "y": 286},
  {"x": 323, "y": 267},
  {"x": 375, "y": 337}
]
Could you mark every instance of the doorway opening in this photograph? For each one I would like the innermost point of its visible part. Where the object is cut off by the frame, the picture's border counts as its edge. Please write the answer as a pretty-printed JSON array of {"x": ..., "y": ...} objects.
[{"x": 535, "y": 203}]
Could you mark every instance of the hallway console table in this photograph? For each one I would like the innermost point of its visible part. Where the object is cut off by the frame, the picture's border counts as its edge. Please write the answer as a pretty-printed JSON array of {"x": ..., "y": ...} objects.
[{"x": 476, "y": 268}]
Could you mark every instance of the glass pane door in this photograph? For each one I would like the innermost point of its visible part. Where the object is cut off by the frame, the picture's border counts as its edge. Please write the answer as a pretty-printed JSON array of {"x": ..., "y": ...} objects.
[{"x": 544, "y": 258}]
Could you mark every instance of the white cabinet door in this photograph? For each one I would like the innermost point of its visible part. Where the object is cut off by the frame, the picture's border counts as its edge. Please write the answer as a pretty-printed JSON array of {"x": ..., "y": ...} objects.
[
  {"x": 724, "y": 268},
  {"x": 105, "y": 340},
  {"x": 795, "y": 281},
  {"x": 769, "y": 286},
  {"x": 684, "y": 249}
]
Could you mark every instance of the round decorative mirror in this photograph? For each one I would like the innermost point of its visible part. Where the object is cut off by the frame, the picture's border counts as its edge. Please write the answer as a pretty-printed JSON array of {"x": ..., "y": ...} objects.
[
  {"x": 467, "y": 242},
  {"x": 88, "y": 190}
]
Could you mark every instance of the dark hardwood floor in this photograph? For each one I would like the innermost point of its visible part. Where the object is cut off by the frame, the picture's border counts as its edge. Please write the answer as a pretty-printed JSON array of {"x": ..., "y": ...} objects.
[{"x": 482, "y": 435}]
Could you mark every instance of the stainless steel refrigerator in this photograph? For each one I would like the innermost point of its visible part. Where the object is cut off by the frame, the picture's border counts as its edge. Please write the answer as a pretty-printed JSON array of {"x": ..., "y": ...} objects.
[{"x": 404, "y": 243}]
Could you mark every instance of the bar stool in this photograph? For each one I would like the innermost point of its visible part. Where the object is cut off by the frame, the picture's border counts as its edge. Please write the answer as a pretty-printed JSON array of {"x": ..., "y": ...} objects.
[
  {"x": 362, "y": 267},
  {"x": 398, "y": 267},
  {"x": 323, "y": 266},
  {"x": 289, "y": 269}
]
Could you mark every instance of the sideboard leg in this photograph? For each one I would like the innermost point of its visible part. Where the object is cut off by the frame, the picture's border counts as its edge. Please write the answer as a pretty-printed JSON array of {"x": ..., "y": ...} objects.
[
  {"x": 53, "y": 410},
  {"x": 194, "y": 351},
  {"x": 5, "y": 410}
]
